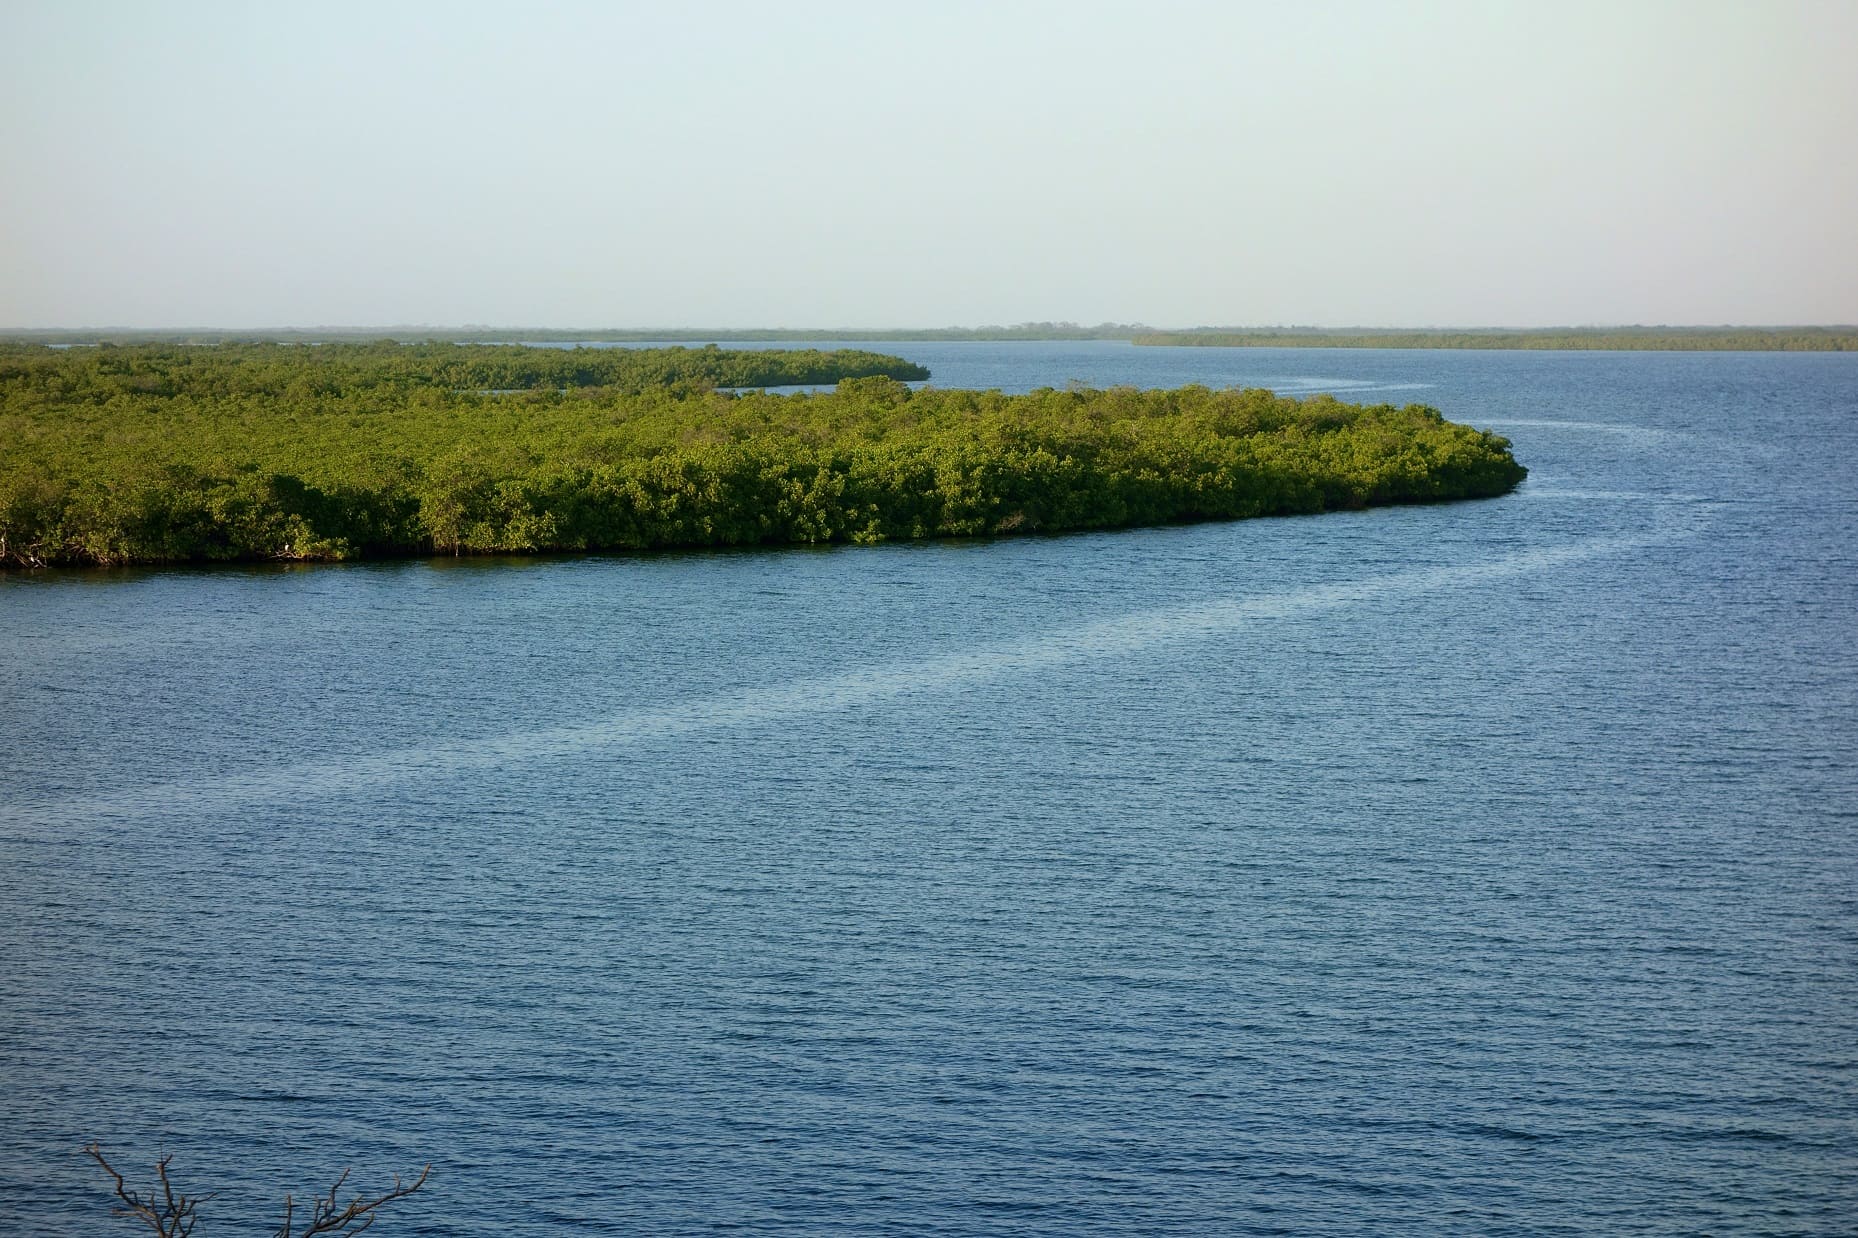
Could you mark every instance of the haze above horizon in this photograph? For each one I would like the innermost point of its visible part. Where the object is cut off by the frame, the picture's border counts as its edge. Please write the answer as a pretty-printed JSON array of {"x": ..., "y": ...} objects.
[{"x": 828, "y": 164}]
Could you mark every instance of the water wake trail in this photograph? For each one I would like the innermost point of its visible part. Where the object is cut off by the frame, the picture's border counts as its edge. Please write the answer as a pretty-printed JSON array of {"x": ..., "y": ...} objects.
[
  {"x": 985, "y": 663},
  {"x": 1341, "y": 387},
  {"x": 1615, "y": 427}
]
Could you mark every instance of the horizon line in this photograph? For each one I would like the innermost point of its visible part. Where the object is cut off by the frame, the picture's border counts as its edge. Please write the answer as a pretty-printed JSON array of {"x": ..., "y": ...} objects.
[{"x": 1049, "y": 325}]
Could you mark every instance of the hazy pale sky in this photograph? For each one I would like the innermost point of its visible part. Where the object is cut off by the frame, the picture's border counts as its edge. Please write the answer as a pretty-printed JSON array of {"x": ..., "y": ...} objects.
[{"x": 875, "y": 164}]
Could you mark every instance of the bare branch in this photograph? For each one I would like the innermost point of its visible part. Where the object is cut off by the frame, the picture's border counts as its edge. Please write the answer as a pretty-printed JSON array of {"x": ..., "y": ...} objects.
[
  {"x": 173, "y": 1215},
  {"x": 95, "y": 1153},
  {"x": 328, "y": 1216}
]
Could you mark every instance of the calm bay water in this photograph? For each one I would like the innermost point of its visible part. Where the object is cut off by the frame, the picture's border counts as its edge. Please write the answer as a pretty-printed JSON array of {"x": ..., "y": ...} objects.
[{"x": 1485, "y": 868}]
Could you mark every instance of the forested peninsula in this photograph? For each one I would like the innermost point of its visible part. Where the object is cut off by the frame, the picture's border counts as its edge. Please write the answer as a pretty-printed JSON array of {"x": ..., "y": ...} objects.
[
  {"x": 90, "y": 375},
  {"x": 1023, "y": 332},
  {"x": 158, "y": 454}
]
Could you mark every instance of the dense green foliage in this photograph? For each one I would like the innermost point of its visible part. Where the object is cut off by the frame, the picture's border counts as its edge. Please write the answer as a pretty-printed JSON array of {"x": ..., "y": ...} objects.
[
  {"x": 91, "y": 375},
  {"x": 570, "y": 335},
  {"x": 118, "y": 456},
  {"x": 1611, "y": 339}
]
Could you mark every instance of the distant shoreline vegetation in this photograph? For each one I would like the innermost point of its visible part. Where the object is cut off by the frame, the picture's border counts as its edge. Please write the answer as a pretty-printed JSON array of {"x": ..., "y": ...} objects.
[
  {"x": 1610, "y": 339},
  {"x": 348, "y": 369},
  {"x": 64, "y": 337},
  {"x": 276, "y": 452},
  {"x": 1628, "y": 339}
]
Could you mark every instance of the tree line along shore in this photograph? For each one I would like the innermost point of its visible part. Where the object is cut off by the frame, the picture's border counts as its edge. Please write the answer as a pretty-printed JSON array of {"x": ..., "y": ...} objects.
[
  {"x": 162, "y": 454},
  {"x": 1611, "y": 339},
  {"x": 1608, "y": 339}
]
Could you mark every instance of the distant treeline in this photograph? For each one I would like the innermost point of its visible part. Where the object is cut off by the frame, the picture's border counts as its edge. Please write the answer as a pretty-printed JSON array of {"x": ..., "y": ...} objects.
[
  {"x": 568, "y": 335},
  {"x": 93, "y": 374},
  {"x": 1616, "y": 339},
  {"x": 138, "y": 456},
  {"x": 1674, "y": 339}
]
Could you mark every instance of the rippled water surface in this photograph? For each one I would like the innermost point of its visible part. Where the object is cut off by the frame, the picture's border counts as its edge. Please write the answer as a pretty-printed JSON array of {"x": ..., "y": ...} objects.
[{"x": 1485, "y": 868}]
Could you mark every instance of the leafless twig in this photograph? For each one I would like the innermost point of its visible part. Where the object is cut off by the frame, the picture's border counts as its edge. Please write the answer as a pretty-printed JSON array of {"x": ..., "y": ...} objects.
[
  {"x": 170, "y": 1215},
  {"x": 327, "y": 1216}
]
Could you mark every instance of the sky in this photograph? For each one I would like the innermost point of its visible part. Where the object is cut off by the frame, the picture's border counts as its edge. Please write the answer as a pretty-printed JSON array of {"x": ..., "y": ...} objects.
[{"x": 876, "y": 164}]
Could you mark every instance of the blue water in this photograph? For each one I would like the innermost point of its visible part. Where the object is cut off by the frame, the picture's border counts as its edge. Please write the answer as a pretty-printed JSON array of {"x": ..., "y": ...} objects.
[{"x": 1484, "y": 868}]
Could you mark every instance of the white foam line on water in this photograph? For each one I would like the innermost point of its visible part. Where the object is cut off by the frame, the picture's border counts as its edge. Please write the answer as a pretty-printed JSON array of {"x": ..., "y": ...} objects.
[
  {"x": 1533, "y": 491},
  {"x": 1103, "y": 639},
  {"x": 1611, "y": 427},
  {"x": 1626, "y": 430},
  {"x": 1312, "y": 386}
]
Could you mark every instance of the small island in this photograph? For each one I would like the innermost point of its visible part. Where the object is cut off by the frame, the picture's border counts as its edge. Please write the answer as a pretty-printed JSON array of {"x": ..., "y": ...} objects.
[{"x": 263, "y": 452}]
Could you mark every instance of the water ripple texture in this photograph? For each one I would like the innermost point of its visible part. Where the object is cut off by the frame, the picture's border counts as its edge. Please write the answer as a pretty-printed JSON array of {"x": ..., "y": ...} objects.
[{"x": 1474, "y": 869}]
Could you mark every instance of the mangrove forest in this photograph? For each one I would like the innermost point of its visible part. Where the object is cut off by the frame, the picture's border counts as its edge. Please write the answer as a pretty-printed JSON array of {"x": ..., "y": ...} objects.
[{"x": 166, "y": 453}]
